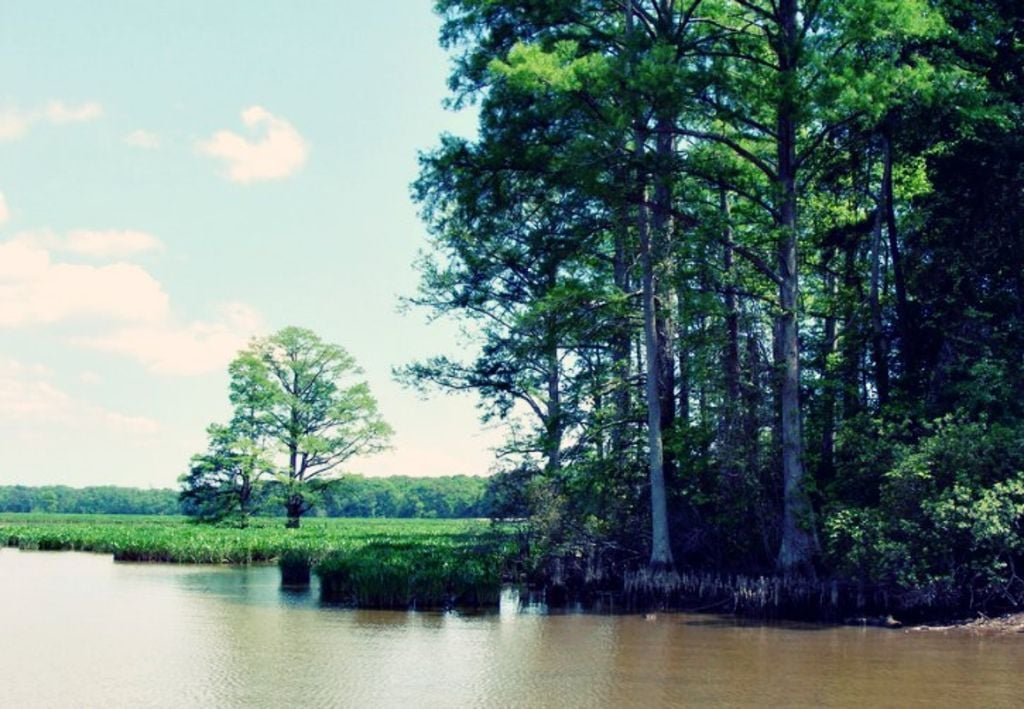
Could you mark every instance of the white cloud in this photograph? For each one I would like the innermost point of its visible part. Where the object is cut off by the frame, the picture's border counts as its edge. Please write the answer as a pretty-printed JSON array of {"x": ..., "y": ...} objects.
[
  {"x": 143, "y": 139},
  {"x": 98, "y": 244},
  {"x": 5, "y": 213},
  {"x": 30, "y": 399},
  {"x": 111, "y": 243},
  {"x": 15, "y": 123},
  {"x": 183, "y": 349},
  {"x": 58, "y": 112},
  {"x": 35, "y": 290},
  {"x": 280, "y": 152}
]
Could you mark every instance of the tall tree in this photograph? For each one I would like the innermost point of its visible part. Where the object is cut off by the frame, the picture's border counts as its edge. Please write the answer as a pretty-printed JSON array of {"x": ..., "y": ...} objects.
[
  {"x": 739, "y": 178},
  {"x": 785, "y": 78},
  {"x": 310, "y": 404}
]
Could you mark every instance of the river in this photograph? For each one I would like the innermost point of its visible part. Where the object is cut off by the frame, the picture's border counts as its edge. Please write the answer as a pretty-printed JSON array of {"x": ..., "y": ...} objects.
[{"x": 80, "y": 630}]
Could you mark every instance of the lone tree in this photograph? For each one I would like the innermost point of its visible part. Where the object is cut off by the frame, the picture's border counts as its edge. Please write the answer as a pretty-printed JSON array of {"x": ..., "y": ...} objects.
[
  {"x": 297, "y": 415},
  {"x": 305, "y": 402}
]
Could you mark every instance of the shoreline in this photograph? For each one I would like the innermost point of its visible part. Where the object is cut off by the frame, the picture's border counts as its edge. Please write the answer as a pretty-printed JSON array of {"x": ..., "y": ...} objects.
[
  {"x": 462, "y": 563},
  {"x": 1003, "y": 625},
  {"x": 1007, "y": 624}
]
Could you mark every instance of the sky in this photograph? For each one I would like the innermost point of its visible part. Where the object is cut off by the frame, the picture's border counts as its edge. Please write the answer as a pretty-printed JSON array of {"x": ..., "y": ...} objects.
[{"x": 178, "y": 177}]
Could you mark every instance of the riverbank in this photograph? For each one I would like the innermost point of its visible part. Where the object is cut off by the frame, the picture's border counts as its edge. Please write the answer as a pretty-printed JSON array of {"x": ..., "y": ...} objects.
[
  {"x": 402, "y": 564},
  {"x": 1006, "y": 624}
]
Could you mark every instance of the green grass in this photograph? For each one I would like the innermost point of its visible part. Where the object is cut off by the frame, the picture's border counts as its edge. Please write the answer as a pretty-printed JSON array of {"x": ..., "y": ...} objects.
[
  {"x": 380, "y": 563},
  {"x": 403, "y": 574}
]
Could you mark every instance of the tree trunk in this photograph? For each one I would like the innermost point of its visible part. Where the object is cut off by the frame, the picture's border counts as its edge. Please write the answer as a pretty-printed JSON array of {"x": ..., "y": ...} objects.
[
  {"x": 799, "y": 542},
  {"x": 732, "y": 324},
  {"x": 828, "y": 395},
  {"x": 293, "y": 506},
  {"x": 683, "y": 358},
  {"x": 664, "y": 295},
  {"x": 621, "y": 366},
  {"x": 245, "y": 497},
  {"x": 753, "y": 394},
  {"x": 879, "y": 346},
  {"x": 704, "y": 384},
  {"x": 751, "y": 406},
  {"x": 799, "y": 545},
  {"x": 661, "y": 549},
  {"x": 850, "y": 337},
  {"x": 294, "y": 503},
  {"x": 904, "y": 324},
  {"x": 729, "y": 427},
  {"x": 553, "y": 424}
]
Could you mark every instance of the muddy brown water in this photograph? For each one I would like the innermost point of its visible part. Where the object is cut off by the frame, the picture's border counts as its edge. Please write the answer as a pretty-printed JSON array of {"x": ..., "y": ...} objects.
[{"x": 80, "y": 630}]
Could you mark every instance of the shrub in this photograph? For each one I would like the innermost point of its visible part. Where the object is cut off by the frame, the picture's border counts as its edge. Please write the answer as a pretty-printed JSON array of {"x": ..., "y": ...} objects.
[{"x": 948, "y": 528}]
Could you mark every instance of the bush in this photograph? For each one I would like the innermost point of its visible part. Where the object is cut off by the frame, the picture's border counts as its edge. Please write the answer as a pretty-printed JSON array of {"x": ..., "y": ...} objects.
[{"x": 948, "y": 528}]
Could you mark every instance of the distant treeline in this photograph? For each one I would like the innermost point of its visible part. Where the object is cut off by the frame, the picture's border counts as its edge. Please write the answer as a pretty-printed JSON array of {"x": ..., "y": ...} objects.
[
  {"x": 352, "y": 496},
  {"x": 104, "y": 499},
  {"x": 406, "y": 496}
]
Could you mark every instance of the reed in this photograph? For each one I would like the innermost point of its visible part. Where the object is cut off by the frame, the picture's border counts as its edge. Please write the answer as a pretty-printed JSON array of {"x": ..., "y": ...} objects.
[
  {"x": 374, "y": 563},
  {"x": 443, "y": 574}
]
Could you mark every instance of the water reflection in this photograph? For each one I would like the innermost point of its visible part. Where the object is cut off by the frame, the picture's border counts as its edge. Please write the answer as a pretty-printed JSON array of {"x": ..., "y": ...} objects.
[
  {"x": 79, "y": 630},
  {"x": 250, "y": 585}
]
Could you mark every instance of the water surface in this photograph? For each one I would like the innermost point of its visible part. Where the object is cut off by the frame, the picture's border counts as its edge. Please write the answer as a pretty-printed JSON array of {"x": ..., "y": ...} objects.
[{"x": 80, "y": 630}]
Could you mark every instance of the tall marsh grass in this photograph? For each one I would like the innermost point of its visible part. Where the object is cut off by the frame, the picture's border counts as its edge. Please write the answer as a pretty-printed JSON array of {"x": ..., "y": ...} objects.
[{"x": 375, "y": 563}]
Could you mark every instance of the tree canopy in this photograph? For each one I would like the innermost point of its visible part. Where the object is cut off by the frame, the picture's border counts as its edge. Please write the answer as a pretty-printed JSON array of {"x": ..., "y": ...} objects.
[
  {"x": 299, "y": 412},
  {"x": 745, "y": 280}
]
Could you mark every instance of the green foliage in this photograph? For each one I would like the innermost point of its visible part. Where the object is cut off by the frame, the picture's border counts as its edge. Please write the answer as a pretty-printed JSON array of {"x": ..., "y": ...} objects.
[
  {"x": 560, "y": 69},
  {"x": 297, "y": 416},
  {"x": 825, "y": 200},
  {"x": 949, "y": 519},
  {"x": 223, "y": 484}
]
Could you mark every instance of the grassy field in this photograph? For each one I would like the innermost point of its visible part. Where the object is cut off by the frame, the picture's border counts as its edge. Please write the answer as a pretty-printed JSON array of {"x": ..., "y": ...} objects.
[{"x": 382, "y": 563}]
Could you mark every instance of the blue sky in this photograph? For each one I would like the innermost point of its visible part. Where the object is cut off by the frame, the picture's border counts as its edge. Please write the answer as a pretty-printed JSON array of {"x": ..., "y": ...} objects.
[{"x": 178, "y": 177}]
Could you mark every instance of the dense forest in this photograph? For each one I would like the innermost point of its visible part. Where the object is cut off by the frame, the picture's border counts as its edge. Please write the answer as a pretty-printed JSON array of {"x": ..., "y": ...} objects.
[
  {"x": 746, "y": 280},
  {"x": 102, "y": 499},
  {"x": 350, "y": 496},
  {"x": 453, "y": 496}
]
